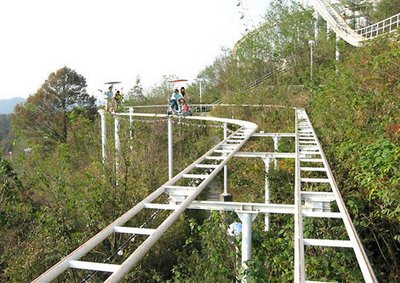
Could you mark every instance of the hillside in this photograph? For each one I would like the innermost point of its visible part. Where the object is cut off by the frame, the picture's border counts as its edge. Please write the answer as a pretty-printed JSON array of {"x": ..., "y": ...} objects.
[
  {"x": 7, "y": 105},
  {"x": 61, "y": 193}
]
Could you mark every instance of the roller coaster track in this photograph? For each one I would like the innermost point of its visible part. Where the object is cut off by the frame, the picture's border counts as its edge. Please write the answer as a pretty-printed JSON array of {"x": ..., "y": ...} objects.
[
  {"x": 336, "y": 22},
  {"x": 353, "y": 37},
  {"x": 314, "y": 197}
]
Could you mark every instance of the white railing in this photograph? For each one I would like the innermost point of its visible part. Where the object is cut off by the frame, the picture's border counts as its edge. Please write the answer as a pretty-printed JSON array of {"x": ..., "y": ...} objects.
[
  {"x": 354, "y": 37},
  {"x": 336, "y": 22},
  {"x": 386, "y": 26}
]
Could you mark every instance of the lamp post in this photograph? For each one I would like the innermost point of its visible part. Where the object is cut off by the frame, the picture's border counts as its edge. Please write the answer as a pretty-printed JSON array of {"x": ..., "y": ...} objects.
[
  {"x": 200, "y": 94},
  {"x": 312, "y": 44}
]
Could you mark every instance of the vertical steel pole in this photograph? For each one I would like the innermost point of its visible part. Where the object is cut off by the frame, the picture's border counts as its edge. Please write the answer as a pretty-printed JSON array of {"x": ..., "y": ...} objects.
[
  {"x": 201, "y": 108},
  {"x": 247, "y": 219},
  {"x": 267, "y": 192},
  {"x": 299, "y": 270},
  {"x": 337, "y": 51},
  {"x": 311, "y": 61},
  {"x": 225, "y": 167},
  {"x": 328, "y": 31},
  {"x": 103, "y": 135},
  {"x": 131, "y": 127},
  {"x": 246, "y": 237},
  {"x": 276, "y": 147},
  {"x": 316, "y": 31},
  {"x": 117, "y": 146},
  {"x": 170, "y": 149}
]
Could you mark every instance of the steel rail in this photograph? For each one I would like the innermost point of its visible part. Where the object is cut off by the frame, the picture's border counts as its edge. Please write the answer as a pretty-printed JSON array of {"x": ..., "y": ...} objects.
[
  {"x": 362, "y": 258},
  {"x": 299, "y": 270},
  {"x": 247, "y": 128}
]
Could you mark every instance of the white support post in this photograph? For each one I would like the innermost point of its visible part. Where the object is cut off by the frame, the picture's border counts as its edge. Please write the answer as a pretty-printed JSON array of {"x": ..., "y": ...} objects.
[
  {"x": 316, "y": 22},
  {"x": 247, "y": 219},
  {"x": 267, "y": 192},
  {"x": 170, "y": 149},
  {"x": 225, "y": 196},
  {"x": 328, "y": 31},
  {"x": 225, "y": 167},
  {"x": 201, "y": 100},
  {"x": 337, "y": 51},
  {"x": 103, "y": 135},
  {"x": 276, "y": 148},
  {"x": 131, "y": 127},
  {"x": 117, "y": 146}
]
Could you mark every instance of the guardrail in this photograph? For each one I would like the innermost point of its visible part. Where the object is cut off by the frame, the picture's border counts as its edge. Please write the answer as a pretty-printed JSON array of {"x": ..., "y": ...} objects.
[{"x": 386, "y": 26}]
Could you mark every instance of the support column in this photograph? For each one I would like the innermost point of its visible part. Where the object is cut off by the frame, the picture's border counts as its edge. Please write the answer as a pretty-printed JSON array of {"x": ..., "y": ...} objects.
[
  {"x": 247, "y": 219},
  {"x": 316, "y": 22},
  {"x": 170, "y": 149},
  {"x": 226, "y": 196},
  {"x": 267, "y": 192},
  {"x": 276, "y": 148},
  {"x": 103, "y": 134},
  {"x": 337, "y": 51},
  {"x": 328, "y": 31},
  {"x": 117, "y": 145},
  {"x": 131, "y": 127}
]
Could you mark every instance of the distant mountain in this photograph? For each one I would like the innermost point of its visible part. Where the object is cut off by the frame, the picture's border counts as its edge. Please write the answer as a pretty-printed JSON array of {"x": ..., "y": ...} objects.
[{"x": 7, "y": 105}]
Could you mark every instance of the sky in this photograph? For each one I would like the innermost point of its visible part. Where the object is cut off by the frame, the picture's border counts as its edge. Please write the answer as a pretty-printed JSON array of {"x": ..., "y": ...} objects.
[{"x": 116, "y": 40}]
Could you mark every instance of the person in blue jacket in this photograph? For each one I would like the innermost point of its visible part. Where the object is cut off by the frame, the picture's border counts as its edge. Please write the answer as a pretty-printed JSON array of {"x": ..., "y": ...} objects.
[{"x": 174, "y": 100}]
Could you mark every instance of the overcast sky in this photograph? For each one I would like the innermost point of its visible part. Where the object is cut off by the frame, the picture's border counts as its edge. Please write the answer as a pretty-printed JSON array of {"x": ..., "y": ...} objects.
[{"x": 116, "y": 40}]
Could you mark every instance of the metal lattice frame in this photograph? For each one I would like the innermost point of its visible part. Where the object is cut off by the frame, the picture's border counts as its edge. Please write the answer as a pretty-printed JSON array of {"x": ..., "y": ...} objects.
[{"x": 307, "y": 203}]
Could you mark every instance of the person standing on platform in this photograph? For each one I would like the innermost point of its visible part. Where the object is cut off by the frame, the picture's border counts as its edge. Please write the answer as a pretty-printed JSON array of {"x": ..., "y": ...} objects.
[
  {"x": 109, "y": 99},
  {"x": 118, "y": 101}
]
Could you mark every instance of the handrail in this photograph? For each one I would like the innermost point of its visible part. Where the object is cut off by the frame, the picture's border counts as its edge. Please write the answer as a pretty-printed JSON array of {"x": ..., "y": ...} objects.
[
  {"x": 362, "y": 258},
  {"x": 299, "y": 270},
  {"x": 340, "y": 26},
  {"x": 388, "y": 25},
  {"x": 354, "y": 37}
]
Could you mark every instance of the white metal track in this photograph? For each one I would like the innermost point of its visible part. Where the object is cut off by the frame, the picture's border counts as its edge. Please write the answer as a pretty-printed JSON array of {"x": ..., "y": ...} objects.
[
  {"x": 304, "y": 135},
  {"x": 341, "y": 28},
  {"x": 309, "y": 158},
  {"x": 219, "y": 154}
]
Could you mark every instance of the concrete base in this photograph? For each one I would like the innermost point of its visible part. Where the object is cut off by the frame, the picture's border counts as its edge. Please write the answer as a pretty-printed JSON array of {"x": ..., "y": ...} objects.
[{"x": 225, "y": 198}]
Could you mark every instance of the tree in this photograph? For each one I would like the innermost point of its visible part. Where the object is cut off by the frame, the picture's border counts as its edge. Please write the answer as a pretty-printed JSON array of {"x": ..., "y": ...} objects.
[
  {"x": 136, "y": 92},
  {"x": 387, "y": 8},
  {"x": 5, "y": 133},
  {"x": 47, "y": 114}
]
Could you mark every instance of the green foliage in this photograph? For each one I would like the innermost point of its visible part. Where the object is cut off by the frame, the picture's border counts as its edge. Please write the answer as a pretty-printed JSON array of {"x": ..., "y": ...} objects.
[
  {"x": 386, "y": 9},
  {"x": 5, "y": 133},
  {"x": 46, "y": 115},
  {"x": 207, "y": 254},
  {"x": 55, "y": 198},
  {"x": 356, "y": 114}
]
